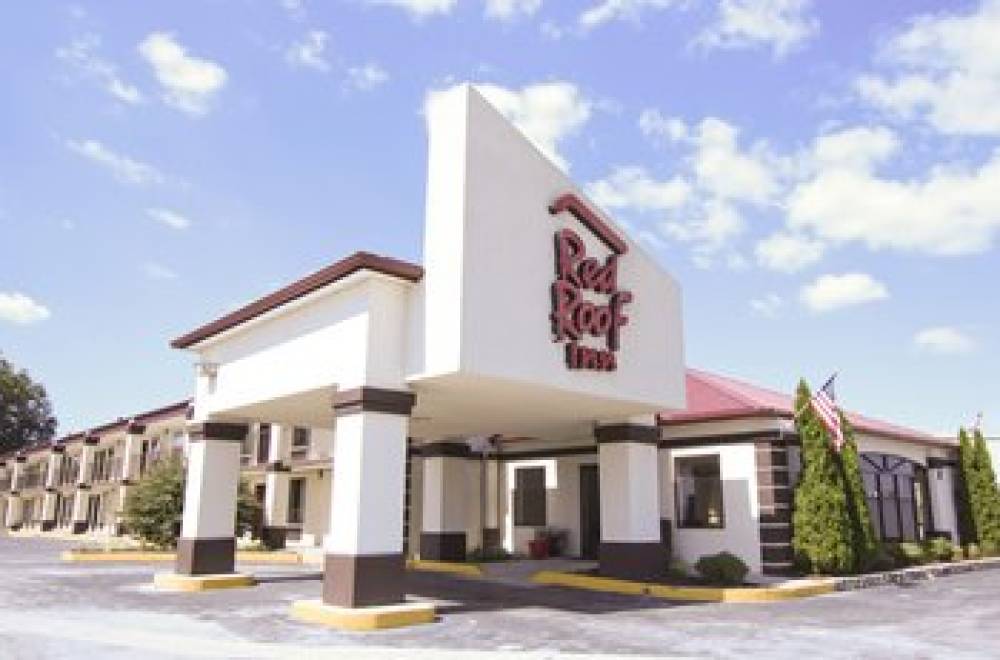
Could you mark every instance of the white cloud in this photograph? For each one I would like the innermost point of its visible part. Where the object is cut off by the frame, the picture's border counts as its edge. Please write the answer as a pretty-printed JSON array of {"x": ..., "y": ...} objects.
[
  {"x": 419, "y": 8},
  {"x": 943, "y": 340},
  {"x": 633, "y": 188},
  {"x": 606, "y": 11},
  {"x": 19, "y": 308},
  {"x": 506, "y": 10},
  {"x": 788, "y": 253},
  {"x": 768, "y": 306},
  {"x": 858, "y": 148},
  {"x": 189, "y": 83},
  {"x": 367, "y": 77},
  {"x": 780, "y": 24},
  {"x": 308, "y": 51},
  {"x": 169, "y": 218},
  {"x": 655, "y": 125},
  {"x": 157, "y": 271},
  {"x": 81, "y": 55},
  {"x": 950, "y": 211},
  {"x": 124, "y": 168},
  {"x": 547, "y": 113},
  {"x": 833, "y": 292},
  {"x": 710, "y": 228},
  {"x": 725, "y": 171},
  {"x": 944, "y": 68}
]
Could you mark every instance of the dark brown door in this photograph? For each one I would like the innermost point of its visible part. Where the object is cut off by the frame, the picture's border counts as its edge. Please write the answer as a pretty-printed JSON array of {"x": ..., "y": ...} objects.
[{"x": 590, "y": 512}]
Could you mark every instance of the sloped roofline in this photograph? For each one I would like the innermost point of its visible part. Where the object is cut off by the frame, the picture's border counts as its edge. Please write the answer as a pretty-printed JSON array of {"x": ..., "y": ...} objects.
[{"x": 299, "y": 288}]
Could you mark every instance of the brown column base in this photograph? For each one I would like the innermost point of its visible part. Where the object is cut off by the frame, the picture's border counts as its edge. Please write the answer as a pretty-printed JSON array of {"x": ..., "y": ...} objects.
[
  {"x": 491, "y": 538},
  {"x": 206, "y": 556},
  {"x": 273, "y": 538},
  {"x": 14, "y": 527},
  {"x": 79, "y": 526},
  {"x": 640, "y": 560},
  {"x": 442, "y": 546},
  {"x": 363, "y": 580},
  {"x": 48, "y": 525}
]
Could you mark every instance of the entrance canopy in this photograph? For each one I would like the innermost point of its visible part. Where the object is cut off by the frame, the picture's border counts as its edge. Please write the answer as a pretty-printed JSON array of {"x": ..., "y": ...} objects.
[{"x": 532, "y": 314}]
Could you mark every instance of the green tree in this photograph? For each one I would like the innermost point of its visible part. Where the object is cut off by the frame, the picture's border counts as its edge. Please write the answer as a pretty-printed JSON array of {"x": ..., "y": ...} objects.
[
  {"x": 831, "y": 527},
  {"x": 985, "y": 497},
  {"x": 863, "y": 540},
  {"x": 25, "y": 411},
  {"x": 154, "y": 506},
  {"x": 967, "y": 480}
]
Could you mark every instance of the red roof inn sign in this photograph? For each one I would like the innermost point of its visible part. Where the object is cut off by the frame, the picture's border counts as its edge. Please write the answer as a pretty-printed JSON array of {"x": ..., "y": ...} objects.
[{"x": 575, "y": 314}]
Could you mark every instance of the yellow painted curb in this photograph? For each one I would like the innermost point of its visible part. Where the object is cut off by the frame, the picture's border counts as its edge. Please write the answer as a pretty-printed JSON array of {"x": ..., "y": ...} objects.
[
  {"x": 363, "y": 618},
  {"x": 246, "y": 556},
  {"x": 126, "y": 555},
  {"x": 456, "y": 568},
  {"x": 788, "y": 591},
  {"x": 175, "y": 582},
  {"x": 268, "y": 557}
]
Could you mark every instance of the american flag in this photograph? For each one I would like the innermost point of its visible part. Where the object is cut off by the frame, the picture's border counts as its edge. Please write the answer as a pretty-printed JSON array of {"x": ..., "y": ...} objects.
[{"x": 825, "y": 405}]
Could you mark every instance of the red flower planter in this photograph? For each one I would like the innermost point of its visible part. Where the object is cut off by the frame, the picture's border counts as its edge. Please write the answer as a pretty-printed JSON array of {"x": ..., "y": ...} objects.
[{"x": 539, "y": 549}]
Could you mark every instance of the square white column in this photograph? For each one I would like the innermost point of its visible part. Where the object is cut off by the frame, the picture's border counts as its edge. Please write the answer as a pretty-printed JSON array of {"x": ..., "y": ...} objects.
[
  {"x": 208, "y": 530},
  {"x": 443, "y": 524},
  {"x": 364, "y": 564},
  {"x": 631, "y": 546}
]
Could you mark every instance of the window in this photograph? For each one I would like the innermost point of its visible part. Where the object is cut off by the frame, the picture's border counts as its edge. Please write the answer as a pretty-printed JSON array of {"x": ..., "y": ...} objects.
[
  {"x": 296, "y": 500},
  {"x": 263, "y": 443},
  {"x": 529, "y": 497},
  {"x": 896, "y": 490},
  {"x": 300, "y": 442},
  {"x": 698, "y": 491}
]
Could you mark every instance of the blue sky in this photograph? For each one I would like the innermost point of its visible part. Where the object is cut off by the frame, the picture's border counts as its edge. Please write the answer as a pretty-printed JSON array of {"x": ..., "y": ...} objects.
[{"x": 823, "y": 178}]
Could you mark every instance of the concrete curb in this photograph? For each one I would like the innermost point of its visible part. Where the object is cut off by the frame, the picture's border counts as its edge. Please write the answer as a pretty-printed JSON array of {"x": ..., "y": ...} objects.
[
  {"x": 914, "y": 574},
  {"x": 786, "y": 591}
]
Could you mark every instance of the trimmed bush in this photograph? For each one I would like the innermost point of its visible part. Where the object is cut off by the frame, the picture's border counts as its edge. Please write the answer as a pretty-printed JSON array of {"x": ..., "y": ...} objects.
[
  {"x": 724, "y": 569},
  {"x": 154, "y": 506},
  {"x": 481, "y": 556},
  {"x": 909, "y": 554},
  {"x": 938, "y": 549}
]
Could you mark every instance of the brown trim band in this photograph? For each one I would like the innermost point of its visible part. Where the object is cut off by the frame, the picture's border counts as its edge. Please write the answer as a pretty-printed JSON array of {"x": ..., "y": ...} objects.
[
  {"x": 58, "y": 449},
  {"x": 446, "y": 450},
  {"x": 321, "y": 278},
  {"x": 373, "y": 399},
  {"x": 742, "y": 437},
  {"x": 936, "y": 462},
  {"x": 443, "y": 546},
  {"x": 363, "y": 580},
  {"x": 135, "y": 428},
  {"x": 590, "y": 450},
  {"x": 218, "y": 431},
  {"x": 92, "y": 440},
  {"x": 206, "y": 556},
  {"x": 277, "y": 466},
  {"x": 636, "y": 433},
  {"x": 633, "y": 560}
]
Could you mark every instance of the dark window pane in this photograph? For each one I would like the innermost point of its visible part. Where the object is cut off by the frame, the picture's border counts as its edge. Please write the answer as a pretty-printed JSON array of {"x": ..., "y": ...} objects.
[
  {"x": 530, "y": 508},
  {"x": 698, "y": 491}
]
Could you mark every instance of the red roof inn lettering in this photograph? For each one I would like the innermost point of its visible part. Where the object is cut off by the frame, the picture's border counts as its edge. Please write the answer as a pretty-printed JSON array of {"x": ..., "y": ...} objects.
[{"x": 576, "y": 316}]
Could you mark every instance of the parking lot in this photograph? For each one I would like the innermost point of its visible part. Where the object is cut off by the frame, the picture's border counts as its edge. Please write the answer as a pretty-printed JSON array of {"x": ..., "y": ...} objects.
[{"x": 51, "y": 609}]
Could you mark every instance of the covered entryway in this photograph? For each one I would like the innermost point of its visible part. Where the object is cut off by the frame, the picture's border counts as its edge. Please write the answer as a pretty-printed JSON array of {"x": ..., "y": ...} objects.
[{"x": 496, "y": 335}]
